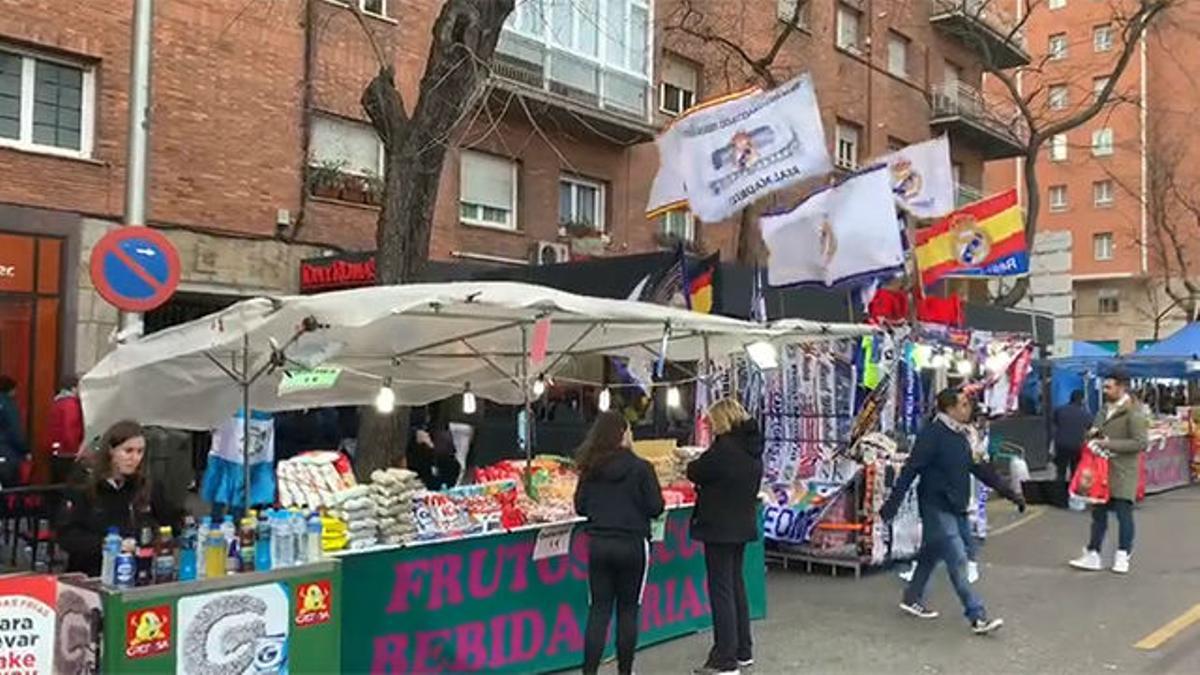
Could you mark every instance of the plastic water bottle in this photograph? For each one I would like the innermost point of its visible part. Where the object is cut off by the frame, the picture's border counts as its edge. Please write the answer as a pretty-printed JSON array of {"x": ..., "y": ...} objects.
[
  {"x": 125, "y": 573},
  {"x": 201, "y": 545},
  {"x": 300, "y": 532},
  {"x": 187, "y": 551},
  {"x": 262, "y": 550},
  {"x": 109, "y": 551},
  {"x": 229, "y": 532},
  {"x": 283, "y": 541},
  {"x": 315, "y": 532}
]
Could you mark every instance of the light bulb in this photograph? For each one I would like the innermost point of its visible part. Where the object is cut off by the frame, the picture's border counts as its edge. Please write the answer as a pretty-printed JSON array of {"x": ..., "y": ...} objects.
[
  {"x": 674, "y": 397},
  {"x": 604, "y": 402},
  {"x": 539, "y": 387},
  {"x": 763, "y": 354},
  {"x": 964, "y": 367},
  {"x": 937, "y": 361},
  {"x": 385, "y": 400},
  {"x": 469, "y": 403}
]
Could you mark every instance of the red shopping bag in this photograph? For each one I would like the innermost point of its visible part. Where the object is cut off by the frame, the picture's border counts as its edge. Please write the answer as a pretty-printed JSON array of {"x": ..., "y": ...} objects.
[{"x": 1090, "y": 482}]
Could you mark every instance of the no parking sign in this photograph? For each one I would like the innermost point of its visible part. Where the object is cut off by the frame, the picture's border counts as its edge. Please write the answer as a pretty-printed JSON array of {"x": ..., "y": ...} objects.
[{"x": 135, "y": 269}]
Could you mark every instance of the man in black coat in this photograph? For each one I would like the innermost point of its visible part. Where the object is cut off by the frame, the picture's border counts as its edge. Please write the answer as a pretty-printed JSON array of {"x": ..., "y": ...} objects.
[
  {"x": 1071, "y": 424},
  {"x": 942, "y": 458}
]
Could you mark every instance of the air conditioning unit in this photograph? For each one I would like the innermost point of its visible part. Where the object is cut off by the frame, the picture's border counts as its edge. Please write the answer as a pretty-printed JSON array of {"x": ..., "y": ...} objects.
[{"x": 550, "y": 253}]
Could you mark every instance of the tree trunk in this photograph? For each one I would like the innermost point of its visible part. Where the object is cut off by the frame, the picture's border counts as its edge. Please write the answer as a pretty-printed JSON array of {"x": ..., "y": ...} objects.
[{"x": 1033, "y": 203}]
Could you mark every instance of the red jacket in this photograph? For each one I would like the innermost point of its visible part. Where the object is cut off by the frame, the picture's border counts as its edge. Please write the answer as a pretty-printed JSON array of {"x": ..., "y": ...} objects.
[{"x": 66, "y": 425}]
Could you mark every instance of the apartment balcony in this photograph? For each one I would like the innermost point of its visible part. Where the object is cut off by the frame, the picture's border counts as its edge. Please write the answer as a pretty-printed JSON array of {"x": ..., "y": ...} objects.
[
  {"x": 578, "y": 93},
  {"x": 966, "y": 194},
  {"x": 997, "y": 130},
  {"x": 982, "y": 27}
]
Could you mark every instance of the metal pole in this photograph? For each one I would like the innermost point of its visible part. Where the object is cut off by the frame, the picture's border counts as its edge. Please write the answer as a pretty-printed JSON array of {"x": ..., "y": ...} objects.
[
  {"x": 246, "y": 382},
  {"x": 528, "y": 407},
  {"x": 137, "y": 150}
]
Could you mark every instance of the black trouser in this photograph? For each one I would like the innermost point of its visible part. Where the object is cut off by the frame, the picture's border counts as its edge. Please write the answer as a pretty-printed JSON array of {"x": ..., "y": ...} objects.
[
  {"x": 1066, "y": 463},
  {"x": 730, "y": 609},
  {"x": 617, "y": 568},
  {"x": 1124, "y": 510}
]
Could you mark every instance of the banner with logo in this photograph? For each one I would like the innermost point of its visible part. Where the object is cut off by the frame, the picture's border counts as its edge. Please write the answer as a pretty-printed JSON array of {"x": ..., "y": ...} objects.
[
  {"x": 27, "y": 608},
  {"x": 733, "y": 151},
  {"x": 839, "y": 234},
  {"x": 923, "y": 178},
  {"x": 984, "y": 239},
  {"x": 484, "y": 604}
]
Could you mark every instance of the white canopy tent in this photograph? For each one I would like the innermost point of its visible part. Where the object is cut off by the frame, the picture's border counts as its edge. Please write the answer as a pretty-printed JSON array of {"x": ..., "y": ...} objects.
[{"x": 428, "y": 341}]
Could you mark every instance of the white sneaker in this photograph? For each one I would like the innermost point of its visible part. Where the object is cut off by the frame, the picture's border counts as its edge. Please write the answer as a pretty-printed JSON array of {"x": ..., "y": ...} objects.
[
  {"x": 972, "y": 571},
  {"x": 1121, "y": 564},
  {"x": 1089, "y": 562}
]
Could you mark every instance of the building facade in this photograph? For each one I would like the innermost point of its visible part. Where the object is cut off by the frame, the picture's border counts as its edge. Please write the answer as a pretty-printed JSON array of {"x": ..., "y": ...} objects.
[
  {"x": 261, "y": 157},
  {"x": 1115, "y": 183}
]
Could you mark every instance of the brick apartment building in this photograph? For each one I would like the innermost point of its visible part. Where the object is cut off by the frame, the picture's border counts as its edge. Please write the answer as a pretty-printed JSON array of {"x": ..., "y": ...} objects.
[
  {"x": 1098, "y": 181},
  {"x": 260, "y": 157}
]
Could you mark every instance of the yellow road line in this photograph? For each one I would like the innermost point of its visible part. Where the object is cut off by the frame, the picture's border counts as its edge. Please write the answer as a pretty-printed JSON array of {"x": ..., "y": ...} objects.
[
  {"x": 1159, "y": 637},
  {"x": 1032, "y": 514}
]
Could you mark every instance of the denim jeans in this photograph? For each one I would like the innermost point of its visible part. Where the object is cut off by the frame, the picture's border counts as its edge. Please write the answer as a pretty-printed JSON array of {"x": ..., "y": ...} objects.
[
  {"x": 1124, "y": 511},
  {"x": 970, "y": 545},
  {"x": 942, "y": 541}
]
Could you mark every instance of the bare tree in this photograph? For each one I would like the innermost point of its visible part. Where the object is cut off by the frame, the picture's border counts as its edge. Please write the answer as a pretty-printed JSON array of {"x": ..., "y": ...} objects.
[{"x": 465, "y": 35}]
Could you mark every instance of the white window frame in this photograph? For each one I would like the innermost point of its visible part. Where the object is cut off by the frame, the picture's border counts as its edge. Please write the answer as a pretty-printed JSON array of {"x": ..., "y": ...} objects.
[
  {"x": 576, "y": 182},
  {"x": 1098, "y": 193},
  {"x": 1098, "y": 85},
  {"x": 852, "y": 137},
  {"x": 689, "y": 227},
  {"x": 378, "y": 173},
  {"x": 898, "y": 44},
  {"x": 1102, "y": 38},
  {"x": 1059, "y": 97},
  {"x": 87, "y": 105},
  {"x": 845, "y": 12},
  {"x": 1061, "y": 53},
  {"x": 1104, "y": 247},
  {"x": 1104, "y": 296},
  {"x": 784, "y": 9},
  {"x": 1057, "y": 198},
  {"x": 1103, "y": 142},
  {"x": 683, "y": 93},
  {"x": 1057, "y": 4},
  {"x": 1058, "y": 148},
  {"x": 512, "y": 224}
]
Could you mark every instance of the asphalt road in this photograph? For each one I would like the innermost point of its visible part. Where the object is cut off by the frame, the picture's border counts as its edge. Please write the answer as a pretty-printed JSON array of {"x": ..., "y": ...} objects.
[{"x": 1057, "y": 620}]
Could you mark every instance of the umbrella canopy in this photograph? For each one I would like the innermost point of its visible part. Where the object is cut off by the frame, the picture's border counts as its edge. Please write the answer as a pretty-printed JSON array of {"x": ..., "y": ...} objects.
[
  {"x": 1183, "y": 344},
  {"x": 428, "y": 341}
]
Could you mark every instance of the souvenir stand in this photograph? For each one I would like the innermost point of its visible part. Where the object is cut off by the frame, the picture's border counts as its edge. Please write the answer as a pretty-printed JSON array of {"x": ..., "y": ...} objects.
[{"x": 480, "y": 576}]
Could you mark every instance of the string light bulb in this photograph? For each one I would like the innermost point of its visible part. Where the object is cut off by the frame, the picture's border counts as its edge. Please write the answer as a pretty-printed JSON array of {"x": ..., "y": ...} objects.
[
  {"x": 938, "y": 360},
  {"x": 674, "y": 397},
  {"x": 964, "y": 368},
  {"x": 604, "y": 401},
  {"x": 385, "y": 400},
  {"x": 469, "y": 405},
  {"x": 539, "y": 386}
]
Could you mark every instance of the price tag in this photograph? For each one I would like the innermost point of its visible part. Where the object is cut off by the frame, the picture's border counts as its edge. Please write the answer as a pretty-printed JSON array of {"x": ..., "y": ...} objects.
[
  {"x": 553, "y": 541},
  {"x": 316, "y": 379},
  {"x": 658, "y": 528}
]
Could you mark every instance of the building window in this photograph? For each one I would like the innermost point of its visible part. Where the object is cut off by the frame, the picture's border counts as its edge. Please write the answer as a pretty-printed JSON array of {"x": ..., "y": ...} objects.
[
  {"x": 678, "y": 225},
  {"x": 677, "y": 91},
  {"x": 1102, "y": 193},
  {"x": 846, "y": 143},
  {"x": 1108, "y": 301},
  {"x": 1058, "y": 46},
  {"x": 1058, "y": 148},
  {"x": 1058, "y": 197},
  {"x": 898, "y": 54},
  {"x": 848, "y": 20},
  {"x": 345, "y": 146},
  {"x": 46, "y": 105},
  {"x": 581, "y": 204},
  {"x": 1058, "y": 97},
  {"x": 487, "y": 190},
  {"x": 1102, "y": 142},
  {"x": 1102, "y": 246},
  {"x": 1098, "y": 85},
  {"x": 1057, "y": 4},
  {"x": 786, "y": 10},
  {"x": 1102, "y": 38}
]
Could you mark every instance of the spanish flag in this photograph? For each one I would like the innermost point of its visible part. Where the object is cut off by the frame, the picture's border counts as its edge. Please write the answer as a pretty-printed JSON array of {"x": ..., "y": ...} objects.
[
  {"x": 700, "y": 283},
  {"x": 984, "y": 239}
]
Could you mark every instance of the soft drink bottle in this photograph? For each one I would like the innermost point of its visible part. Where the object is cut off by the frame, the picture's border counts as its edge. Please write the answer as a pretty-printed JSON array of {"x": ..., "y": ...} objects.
[
  {"x": 187, "y": 551},
  {"x": 262, "y": 547},
  {"x": 145, "y": 558},
  {"x": 314, "y": 537},
  {"x": 164, "y": 556},
  {"x": 229, "y": 532},
  {"x": 202, "y": 546},
  {"x": 125, "y": 569},
  {"x": 215, "y": 555},
  {"x": 109, "y": 550},
  {"x": 246, "y": 543}
]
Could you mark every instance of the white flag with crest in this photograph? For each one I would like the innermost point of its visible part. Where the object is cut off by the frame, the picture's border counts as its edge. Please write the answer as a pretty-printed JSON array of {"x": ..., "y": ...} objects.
[
  {"x": 732, "y": 153},
  {"x": 839, "y": 234},
  {"x": 923, "y": 178}
]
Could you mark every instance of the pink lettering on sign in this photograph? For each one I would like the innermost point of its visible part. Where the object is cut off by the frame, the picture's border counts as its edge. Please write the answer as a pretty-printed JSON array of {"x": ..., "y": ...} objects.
[
  {"x": 528, "y": 634},
  {"x": 431, "y": 651},
  {"x": 472, "y": 651},
  {"x": 446, "y": 588},
  {"x": 566, "y": 633},
  {"x": 408, "y": 583},
  {"x": 651, "y": 616},
  {"x": 475, "y": 584},
  {"x": 553, "y": 571},
  {"x": 391, "y": 654}
]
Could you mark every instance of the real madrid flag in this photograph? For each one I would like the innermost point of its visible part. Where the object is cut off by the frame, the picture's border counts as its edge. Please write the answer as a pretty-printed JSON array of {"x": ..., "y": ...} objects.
[
  {"x": 923, "y": 178},
  {"x": 841, "y": 233},
  {"x": 984, "y": 239},
  {"x": 730, "y": 153}
]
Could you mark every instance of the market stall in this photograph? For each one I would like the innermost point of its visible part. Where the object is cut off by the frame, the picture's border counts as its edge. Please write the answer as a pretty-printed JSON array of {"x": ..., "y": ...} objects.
[{"x": 416, "y": 344}]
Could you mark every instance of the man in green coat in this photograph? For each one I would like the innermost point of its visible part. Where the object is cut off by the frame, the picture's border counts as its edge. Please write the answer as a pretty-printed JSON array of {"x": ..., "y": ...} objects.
[{"x": 1121, "y": 432}]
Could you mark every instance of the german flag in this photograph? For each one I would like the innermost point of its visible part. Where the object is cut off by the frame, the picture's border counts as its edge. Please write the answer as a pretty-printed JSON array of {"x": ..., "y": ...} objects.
[
  {"x": 701, "y": 284},
  {"x": 983, "y": 239}
]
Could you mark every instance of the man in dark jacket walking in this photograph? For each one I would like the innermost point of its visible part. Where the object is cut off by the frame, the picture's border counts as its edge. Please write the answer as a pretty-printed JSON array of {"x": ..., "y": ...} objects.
[
  {"x": 13, "y": 449},
  {"x": 1071, "y": 424},
  {"x": 942, "y": 458}
]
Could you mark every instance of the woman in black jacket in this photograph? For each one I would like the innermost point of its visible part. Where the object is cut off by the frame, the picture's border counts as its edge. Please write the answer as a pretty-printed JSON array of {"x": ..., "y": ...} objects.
[
  {"x": 727, "y": 478},
  {"x": 114, "y": 492},
  {"x": 618, "y": 493}
]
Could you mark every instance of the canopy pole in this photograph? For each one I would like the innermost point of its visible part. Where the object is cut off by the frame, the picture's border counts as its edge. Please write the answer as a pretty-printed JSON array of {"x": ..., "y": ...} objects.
[
  {"x": 526, "y": 408},
  {"x": 246, "y": 382}
]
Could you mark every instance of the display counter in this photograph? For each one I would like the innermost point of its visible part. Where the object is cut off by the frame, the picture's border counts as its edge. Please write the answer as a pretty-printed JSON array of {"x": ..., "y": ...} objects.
[
  {"x": 513, "y": 601},
  {"x": 281, "y": 621},
  {"x": 1167, "y": 462}
]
